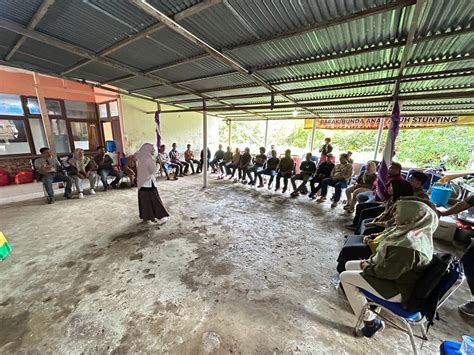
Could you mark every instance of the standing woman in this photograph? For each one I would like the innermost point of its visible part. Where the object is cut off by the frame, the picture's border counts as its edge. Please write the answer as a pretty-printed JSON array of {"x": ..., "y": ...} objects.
[
  {"x": 325, "y": 150},
  {"x": 149, "y": 202}
]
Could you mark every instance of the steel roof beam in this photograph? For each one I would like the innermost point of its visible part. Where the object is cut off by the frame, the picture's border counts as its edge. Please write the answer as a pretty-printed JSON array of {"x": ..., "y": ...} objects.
[
  {"x": 450, "y": 95},
  {"x": 144, "y": 33},
  {"x": 408, "y": 46},
  {"x": 353, "y": 84},
  {"x": 393, "y": 5},
  {"x": 36, "y": 18},
  {"x": 174, "y": 26}
]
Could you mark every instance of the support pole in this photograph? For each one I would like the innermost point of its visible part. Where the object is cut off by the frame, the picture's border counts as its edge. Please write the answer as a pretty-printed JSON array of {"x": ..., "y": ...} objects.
[
  {"x": 312, "y": 134},
  {"x": 204, "y": 145},
  {"x": 230, "y": 132},
  {"x": 379, "y": 137},
  {"x": 266, "y": 134},
  {"x": 44, "y": 114}
]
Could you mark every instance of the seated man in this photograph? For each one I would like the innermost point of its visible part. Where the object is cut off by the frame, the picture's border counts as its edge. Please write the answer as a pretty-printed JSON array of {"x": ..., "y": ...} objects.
[
  {"x": 50, "y": 170},
  {"x": 176, "y": 159},
  {"x": 218, "y": 157},
  {"x": 225, "y": 163},
  {"x": 323, "y": 172},
  {"x": 105, "y": 168},
  {"x": 166, "y": 164},
  {"x": 364, "y": 183},
  {"x": 82, "y": 167},
  {"x": 417, "y": 180},
  {"x": 234, "y": 166},
  {"x": 189, "y": 158},
  {"x": 260, "y": 161},
  {"x": 245, "y": 161},
  {"x": 285, "y": 170},
  {"x": 272, "y": 165},
  {"x": 201, "y": 162},
  {"x": 130, "y": 168},
  {"x": 394, "y": 173},
  {"x": 339, "y": 178},
  {"x": 307, "y": 169}
]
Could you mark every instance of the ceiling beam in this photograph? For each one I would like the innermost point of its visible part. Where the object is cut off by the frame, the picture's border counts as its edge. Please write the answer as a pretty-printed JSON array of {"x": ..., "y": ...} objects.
[
  {"x": 408, "y": 46},
  {"x": 392, "y": 5},
  {"x": 352, "y": 84},
  {"x": 35, "y": 19},
  {"x": 176, "y": 27},
  {"x": 145, "y": 33},
  {"x": 438, "y": 96}
]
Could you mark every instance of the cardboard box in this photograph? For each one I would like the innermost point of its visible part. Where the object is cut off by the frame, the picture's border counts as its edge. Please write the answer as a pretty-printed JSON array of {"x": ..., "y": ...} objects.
[{"x": 446, "y": 229}]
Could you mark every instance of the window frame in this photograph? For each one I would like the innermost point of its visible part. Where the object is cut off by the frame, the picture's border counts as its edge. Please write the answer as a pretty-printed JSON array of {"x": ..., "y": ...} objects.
[{"x": 27, "y": 116}]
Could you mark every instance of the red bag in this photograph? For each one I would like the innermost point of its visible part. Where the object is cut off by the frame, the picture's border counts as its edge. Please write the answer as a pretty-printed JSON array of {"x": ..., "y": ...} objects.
[
  {"x": 23, "y": 177},
  {"x": 4, "y": 178}
]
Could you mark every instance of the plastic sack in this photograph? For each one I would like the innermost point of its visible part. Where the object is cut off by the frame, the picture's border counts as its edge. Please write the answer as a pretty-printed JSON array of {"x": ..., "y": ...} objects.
[
  {"x": 467, "y": 346},
  {"x": 4, "y": 247},
  {"x": 4, "y": 178},
  {"x": 23, "y": 177}
]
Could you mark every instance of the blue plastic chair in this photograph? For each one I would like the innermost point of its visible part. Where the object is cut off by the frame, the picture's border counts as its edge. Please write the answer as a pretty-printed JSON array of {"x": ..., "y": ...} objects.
[{"x": 449, "y": 284}]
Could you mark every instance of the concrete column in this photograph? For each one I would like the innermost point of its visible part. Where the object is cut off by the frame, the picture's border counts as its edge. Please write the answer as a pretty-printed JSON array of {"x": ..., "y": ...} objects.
[
  {"x": 266, "y": 134},
  {"x": 44, "y": 114},
  {"x": 230, "y": 133},
  {"x": 204, "y": 145}
]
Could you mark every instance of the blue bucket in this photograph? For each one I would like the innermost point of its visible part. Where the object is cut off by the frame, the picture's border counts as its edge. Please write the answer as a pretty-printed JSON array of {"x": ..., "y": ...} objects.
[{"x": 440, "y": 194}]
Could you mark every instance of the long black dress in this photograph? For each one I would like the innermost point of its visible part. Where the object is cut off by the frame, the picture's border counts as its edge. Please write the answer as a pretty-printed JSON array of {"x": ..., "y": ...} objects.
[
  {"x": 354, "y": 249},
  {"x": 150, "y": 205}
]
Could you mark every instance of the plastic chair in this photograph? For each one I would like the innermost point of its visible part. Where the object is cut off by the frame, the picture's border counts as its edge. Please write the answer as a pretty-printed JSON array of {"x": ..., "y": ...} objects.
[{"x": 449, "y": 284}]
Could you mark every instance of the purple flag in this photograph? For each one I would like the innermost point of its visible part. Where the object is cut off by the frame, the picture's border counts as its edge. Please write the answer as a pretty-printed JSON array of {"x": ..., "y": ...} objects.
[
  {"x": 382, "y": 178},
  {"x": 158, "y": 132}
]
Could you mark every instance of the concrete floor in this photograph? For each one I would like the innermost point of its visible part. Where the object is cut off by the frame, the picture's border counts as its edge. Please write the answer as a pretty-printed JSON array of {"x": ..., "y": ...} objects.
[{"x": 236, "y": 270}]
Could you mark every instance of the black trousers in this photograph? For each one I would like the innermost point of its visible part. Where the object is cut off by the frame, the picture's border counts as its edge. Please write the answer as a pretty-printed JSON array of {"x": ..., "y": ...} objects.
[
  {"x": 354, "y": 249},
  {"x": 285, "y": 180}
]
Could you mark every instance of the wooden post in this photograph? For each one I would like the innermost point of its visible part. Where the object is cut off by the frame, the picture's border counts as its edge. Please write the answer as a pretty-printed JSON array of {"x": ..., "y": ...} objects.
[{"x": 44, "y": 114}]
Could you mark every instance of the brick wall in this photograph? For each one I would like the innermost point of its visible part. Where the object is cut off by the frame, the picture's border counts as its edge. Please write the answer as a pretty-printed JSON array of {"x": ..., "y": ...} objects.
[{"x": 15, "y": 165}]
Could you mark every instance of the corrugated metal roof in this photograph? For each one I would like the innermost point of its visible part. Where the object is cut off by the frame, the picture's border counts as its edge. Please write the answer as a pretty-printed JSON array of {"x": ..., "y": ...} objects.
[
  {"x": 19, "y": 11},
  {"x": 198, "y": 68},
  {"x": 97, "y": 72},
  {"x": 98, "y": 24},
  {"x": 78, "y": 23}
]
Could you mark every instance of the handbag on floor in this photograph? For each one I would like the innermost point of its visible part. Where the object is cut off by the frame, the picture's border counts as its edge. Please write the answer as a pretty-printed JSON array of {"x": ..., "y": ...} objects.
[{"x": 4, "y": 247}]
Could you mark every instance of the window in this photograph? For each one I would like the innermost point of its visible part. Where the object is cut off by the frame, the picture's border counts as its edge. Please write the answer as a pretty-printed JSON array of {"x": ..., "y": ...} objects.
[
  {"x": 78, "y": 109},
  {"x": 53, "y": 107},
  {"x": 84, "y": 135},
  {"x": 37, "y": 131},
  {"x": 10, "y": 105},
  {"x": 113, "y": 109},
  {"x": 103, "y": 110},
  {"x": 13, "y": 138},
  {"x": 60, "y": 136}
]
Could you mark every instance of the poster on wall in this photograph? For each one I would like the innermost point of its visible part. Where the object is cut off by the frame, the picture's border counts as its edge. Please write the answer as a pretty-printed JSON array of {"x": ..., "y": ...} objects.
[{"x": 406, "y": 122}]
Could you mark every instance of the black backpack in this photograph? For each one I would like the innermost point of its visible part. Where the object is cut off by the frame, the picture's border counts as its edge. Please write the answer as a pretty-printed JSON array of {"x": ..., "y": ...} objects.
[{"x": 430, "y": 287}]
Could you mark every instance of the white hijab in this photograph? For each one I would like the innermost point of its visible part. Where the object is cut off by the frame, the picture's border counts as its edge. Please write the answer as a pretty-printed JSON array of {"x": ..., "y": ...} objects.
[
  {"x": 146, "y": 166},
  {"x": 78, "y": 162}
]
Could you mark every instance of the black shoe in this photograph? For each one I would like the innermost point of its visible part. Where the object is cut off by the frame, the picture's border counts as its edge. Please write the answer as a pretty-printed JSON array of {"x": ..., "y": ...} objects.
[
  {"x": 68, "y": 196},
  {"x": 294, "y": 194},
  {"x": 269, "y": 187},
  {"x": 261, "y": 185},
  {"x": 284, "y": 190},
  {"x": 50, "y": 200},
  {"x": 370, "y": 330},
  {"x": 244, "y": 182},
  {"x": 312, "y": 196}
]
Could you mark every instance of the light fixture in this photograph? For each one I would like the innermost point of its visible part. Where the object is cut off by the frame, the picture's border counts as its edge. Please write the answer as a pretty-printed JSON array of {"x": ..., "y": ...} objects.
[{"x": 295, "y": 113}]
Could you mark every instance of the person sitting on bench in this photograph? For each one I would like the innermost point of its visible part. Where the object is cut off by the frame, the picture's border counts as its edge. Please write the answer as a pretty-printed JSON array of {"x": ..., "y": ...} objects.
[
  {"x": 285, "y": 170},
  {"x": 218, "y": 157},
  {"x": 234, "y": 166},
  {"x": 323, "y": 172},
  {"x": 260, "y": 161},
  {"x": 307, "y": 169},
  {"x": 189, "y": 158},
  {"x": 340, "y": 175},
  {"x": 245, "y": 161},
  {"x": 82, "y": 167},
  {"x": 166, "y": 164},
  {"x": 176, "y": 159},
  {"x": 225, "y": 163},
  {"x": 105, "y": 168},
  {"x": 51, "y": 170},
  {"x": 272, "y": 165}
]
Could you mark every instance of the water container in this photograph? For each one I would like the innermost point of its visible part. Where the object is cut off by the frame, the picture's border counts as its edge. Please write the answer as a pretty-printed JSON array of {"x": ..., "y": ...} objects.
[
  {"x": 110, "y": 146},
  {"x": 440, "y": 194}
]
